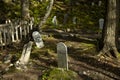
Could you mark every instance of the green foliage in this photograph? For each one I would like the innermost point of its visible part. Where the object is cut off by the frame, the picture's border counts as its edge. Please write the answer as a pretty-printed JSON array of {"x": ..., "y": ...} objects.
[
  {"x": 38, "y": 10},
  {"x": 59, "y": 74},
  {"x": 87, "y": 15}
]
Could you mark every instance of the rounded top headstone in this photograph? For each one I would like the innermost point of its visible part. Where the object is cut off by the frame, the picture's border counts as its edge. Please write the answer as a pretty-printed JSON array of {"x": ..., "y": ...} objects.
[
  {"x": 101, "y": 23},
  {"x": 62, "y": 48}
]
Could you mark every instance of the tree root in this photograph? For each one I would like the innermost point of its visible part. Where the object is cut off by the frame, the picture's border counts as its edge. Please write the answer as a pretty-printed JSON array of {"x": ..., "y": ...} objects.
[{"x": 108, "y": 52}]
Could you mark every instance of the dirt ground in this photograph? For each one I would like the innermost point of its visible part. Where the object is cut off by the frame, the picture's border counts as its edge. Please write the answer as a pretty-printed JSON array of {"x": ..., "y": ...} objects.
[{"x": 82, "y": 59}]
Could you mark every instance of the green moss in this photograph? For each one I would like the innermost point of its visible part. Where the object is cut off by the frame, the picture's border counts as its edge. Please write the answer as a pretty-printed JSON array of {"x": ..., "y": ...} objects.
[{"x": 59, "y": 74}]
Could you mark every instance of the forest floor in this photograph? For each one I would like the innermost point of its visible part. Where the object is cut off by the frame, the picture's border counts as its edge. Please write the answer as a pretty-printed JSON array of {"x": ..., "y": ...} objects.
[{"x": 82, "y": 59}]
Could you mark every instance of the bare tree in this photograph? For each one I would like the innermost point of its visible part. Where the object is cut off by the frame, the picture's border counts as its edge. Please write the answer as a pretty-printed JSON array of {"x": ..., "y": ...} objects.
[{"x": 46, "y": 15}]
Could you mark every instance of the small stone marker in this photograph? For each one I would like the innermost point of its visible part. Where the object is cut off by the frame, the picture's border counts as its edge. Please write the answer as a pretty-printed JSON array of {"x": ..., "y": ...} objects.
[
  {"x": 101, "y": 23},
  {"x": 62, "y": 55},
  {"x": 38, "y": 39},
  {"x": 99, "y": 3},
  {"x": 54, "y": 21},
  {"x": 65, "y": 18},
  {"x": 75, "y": 20},
  {"x": 92, "y": 3}
]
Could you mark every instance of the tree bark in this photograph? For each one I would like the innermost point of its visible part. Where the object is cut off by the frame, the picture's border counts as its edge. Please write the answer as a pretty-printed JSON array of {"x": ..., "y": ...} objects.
[
  {"x": 109, "y": 35},
  {"x": 46, "y": 15},
  {"x": 25, "y": 9}
]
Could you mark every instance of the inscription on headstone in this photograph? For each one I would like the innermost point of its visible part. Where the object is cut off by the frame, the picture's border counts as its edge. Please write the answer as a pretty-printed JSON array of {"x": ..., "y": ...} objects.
[
  {"x": 38, "y": 39},
  {"x": 62, "y": 55}
]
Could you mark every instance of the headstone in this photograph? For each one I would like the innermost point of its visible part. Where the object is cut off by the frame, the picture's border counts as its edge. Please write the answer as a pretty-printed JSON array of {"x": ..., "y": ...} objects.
[
  {"x": 101, "y": 23},
  {"x": 99, "y": 3},
  {"x": 62, "y": 55},
  {"x": 93, "y": 3},
  {"x": 38, "y": 39},
  {"x": 47, "y": 8},
  {"x": 54, "y": 21},
  {"x": 25, "y": 55},
  {"x": 65, "y": 18},
  {"x": 74, "y": 20}
]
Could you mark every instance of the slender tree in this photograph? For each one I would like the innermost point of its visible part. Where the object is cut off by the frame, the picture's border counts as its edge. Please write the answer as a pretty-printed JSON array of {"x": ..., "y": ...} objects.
[
  {"x": 46, "y": 15},
  {"x": 25, "y": 9},
  {"x": 110, "y": 30}
]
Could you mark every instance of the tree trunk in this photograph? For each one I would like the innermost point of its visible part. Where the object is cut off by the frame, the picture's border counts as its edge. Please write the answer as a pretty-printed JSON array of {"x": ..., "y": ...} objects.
[
  {"x": 25, "y": 9},
  {"x": 46, "y": 15},
  {"x": 109, "y": 35}
]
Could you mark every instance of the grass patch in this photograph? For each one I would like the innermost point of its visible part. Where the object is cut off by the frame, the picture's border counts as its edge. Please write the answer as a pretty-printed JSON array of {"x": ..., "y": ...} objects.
[{"x": 59, "y": 74}]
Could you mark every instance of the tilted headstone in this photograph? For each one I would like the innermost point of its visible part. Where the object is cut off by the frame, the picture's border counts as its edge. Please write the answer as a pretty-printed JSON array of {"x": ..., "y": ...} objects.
[
  {"x": 101, "y": 23},
  {"x": 54, "y": 21},
  {"x": 24, "y": 59},
  {"x": 38, "y": 39},
  {"x": 62, "y": 55}
]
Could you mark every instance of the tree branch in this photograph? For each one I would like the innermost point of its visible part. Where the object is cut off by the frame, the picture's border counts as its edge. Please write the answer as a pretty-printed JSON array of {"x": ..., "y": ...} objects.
[{"x": 46, "y": 15}]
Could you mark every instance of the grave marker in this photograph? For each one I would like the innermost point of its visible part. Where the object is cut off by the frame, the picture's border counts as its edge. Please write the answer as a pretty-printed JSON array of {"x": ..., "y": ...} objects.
[
  {"x": 92, "y": 3},
  {"x": 75, "y": 20},
  {"x": 38, "y": 39},
  {"x": 99, "y": 3},
  {"x": 25, "y": 55},
  {"x": 101, "y": 23},
  {"x": 54, "y": 21},
  {"x": 62, "y": 55},
  {"x": 65, "y": 18}
]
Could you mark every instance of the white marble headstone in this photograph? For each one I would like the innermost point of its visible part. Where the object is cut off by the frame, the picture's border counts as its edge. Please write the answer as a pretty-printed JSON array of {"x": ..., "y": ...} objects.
[
  {"x": 101, "y": 23},
  {"x": 54, "y": 20},
  {"x": 38, "y": 39},
  {"x": 62, "y": 55}
]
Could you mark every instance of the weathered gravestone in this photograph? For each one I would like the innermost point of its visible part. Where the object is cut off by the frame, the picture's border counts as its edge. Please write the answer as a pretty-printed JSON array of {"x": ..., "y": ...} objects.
[
  {"x": 54, "y": 21},
  {"x": 62, "y": 55},
  {"x": 74, "y": 20},
  {"x": 65, "y": 18},
  {"x": 101, "y": 23},
  {"x": 25, "y": 56},
  {"x": 92, "y": 3},
  {"x": 38, "y": 39},
  {"x": 99, "y": 3}
]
